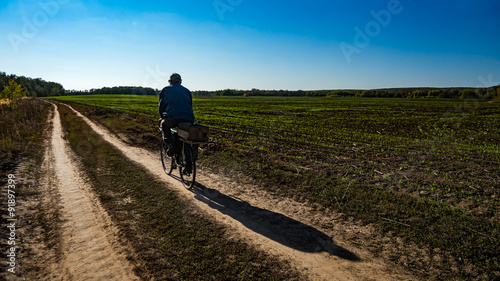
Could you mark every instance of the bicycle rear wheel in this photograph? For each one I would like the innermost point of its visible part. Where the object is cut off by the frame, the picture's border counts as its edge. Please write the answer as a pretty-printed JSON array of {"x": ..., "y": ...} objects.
[
  {"x": 167, "y": 162},
  {"x": 187, "y": 168}
]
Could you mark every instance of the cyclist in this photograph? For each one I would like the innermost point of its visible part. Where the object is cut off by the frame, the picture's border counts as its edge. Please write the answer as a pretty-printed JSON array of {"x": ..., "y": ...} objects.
[{"x": 175, "y": 106}]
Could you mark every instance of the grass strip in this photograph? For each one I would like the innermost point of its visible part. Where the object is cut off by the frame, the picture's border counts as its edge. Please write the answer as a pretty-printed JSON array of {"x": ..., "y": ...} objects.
[{"x": 170, "y": 240}]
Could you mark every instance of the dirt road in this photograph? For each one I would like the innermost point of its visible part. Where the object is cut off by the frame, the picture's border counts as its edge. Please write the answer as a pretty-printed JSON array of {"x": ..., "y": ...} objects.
[
  {"x": 276, "y": 225},
  {"x": 89, "y": 247}
]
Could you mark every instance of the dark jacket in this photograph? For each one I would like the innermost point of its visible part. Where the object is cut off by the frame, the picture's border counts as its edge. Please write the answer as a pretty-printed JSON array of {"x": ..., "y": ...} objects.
[{"x": 176, "y": 102}]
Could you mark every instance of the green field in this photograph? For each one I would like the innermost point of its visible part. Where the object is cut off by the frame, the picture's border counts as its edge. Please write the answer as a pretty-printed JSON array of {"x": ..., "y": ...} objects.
[{"x": 425, "y": 170}]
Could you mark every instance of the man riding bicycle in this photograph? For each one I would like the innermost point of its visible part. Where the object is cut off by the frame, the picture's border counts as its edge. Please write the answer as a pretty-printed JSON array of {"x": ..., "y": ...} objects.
[{"x": 175, "y": 106}]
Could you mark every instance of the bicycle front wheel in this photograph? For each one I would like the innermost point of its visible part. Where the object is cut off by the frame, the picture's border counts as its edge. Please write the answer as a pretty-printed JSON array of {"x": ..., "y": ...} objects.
[
  {"x": 167, "y": 162},
  {"x": 187, "y": 168}
]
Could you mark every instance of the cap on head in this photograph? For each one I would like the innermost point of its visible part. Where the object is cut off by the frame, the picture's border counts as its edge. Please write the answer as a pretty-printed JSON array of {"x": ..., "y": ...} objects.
[{"x": 175, "y": 78}]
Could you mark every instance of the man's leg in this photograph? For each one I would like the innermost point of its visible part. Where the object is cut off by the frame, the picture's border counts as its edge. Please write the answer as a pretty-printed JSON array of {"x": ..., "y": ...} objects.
[{"x": 167, "y": 134}]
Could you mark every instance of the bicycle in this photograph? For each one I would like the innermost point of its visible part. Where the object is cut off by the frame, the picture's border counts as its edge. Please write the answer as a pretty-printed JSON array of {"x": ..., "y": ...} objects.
[{"x": 187, "y": 139}]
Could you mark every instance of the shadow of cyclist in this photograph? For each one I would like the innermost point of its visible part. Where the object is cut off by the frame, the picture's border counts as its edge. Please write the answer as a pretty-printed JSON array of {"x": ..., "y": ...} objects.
[{"x": 275, "y": 226}]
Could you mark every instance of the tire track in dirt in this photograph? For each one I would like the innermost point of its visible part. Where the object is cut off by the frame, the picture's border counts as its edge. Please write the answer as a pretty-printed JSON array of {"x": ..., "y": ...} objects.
[
  {"x": 273, "y": 224},
  {"x": 89, "y": 245}
]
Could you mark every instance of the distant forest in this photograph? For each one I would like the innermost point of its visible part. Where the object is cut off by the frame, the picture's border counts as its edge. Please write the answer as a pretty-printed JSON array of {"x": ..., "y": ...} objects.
[
  {"x": 40, "y": 88},
  {"x": 122, "y": 90},
  {"x": 34, "y": 87},
  {"x": 443, "y": 93}
]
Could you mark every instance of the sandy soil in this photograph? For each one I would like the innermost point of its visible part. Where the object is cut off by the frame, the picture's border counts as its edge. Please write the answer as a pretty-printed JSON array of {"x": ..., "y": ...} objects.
[
  {"x": 89, "y": 247},
  {"x": 279, "y": 226}
]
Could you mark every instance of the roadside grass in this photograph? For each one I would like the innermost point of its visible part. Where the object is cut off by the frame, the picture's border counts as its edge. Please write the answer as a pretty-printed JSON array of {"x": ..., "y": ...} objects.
[
  {"x": 23, "y": 125},
  {"x": 169, "y": 239},
  {"x": 426, "y": 171},
  {"x": 21, "y": 128}
]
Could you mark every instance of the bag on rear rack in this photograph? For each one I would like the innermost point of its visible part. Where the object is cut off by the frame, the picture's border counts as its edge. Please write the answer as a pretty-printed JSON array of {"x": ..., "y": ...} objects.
[{"x": 193, "y": 133}]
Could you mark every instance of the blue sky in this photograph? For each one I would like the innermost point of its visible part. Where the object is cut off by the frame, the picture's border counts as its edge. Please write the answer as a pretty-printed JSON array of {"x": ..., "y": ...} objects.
[{"x": 242, "y": 44}]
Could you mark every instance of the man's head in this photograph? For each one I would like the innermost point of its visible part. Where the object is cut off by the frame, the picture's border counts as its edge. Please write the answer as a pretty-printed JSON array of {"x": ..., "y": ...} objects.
[{"x": 175, "y": 78}]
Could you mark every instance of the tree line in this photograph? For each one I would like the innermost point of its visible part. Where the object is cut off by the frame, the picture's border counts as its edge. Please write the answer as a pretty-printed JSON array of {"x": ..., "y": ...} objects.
[
  {"x": 40, "y": 88},
  {"x": 441, "y": 93},
  {"x": 121, "y": 90},
  {"x": 32, "y": 87}
]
